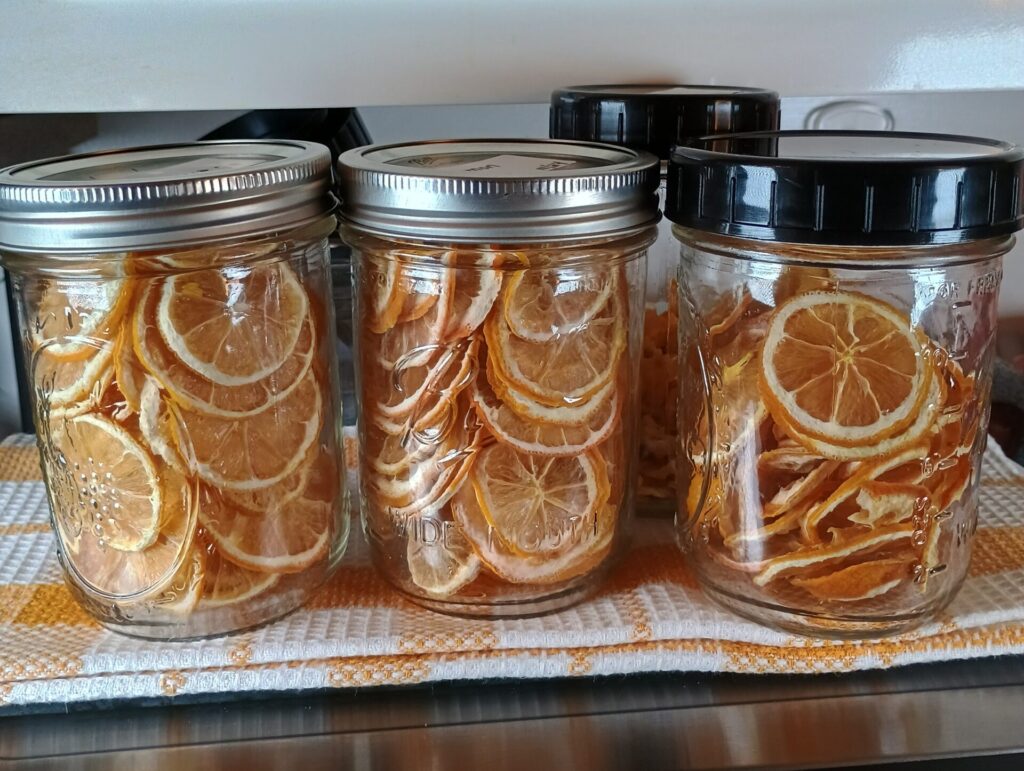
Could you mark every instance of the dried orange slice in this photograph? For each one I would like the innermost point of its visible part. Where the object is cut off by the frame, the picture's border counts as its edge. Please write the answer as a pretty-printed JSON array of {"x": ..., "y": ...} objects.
[
  {"x": 843, "y": 368},
  {"x": 159, "y": 424},
  {"x": 799, "y": 490},
  {"x": 727, "y": 311},
  {"x": 128, "y": 374},
  {"x": 116, "y": 497},
  {"x": 477, "y": 286},
  {"x": 542, "y": 305},
  {"x": 821, "y": 555},
  {"x": 857, "y": 582},
  {"x": 565, "y": 370},
  {"x": 75, "y": 317},
  {"x": 233, "y": 326},
  {"x": 419, "y": 391},
  {"x": 384, "y": 300},
  {"x": 538, "y": 438},
  {"x": 539, "y": 505},
  {"x": 181, "y": 595},
  {"x": 70, "y": 386},
  {"x": 413, "y": 343},
  {"x": 225, "y": 583},
  {"x": 886, "y": 503},
  {"x": 259, "y": 451},
  {"x": 287, "y": 541},
  {"x": 197, "y": 392},
  {"x": 544, "y": 570},
  {"x": 443, "y": 566},
  {"x": 530, "y": 409},
  {"x": 135, "y": 574}
]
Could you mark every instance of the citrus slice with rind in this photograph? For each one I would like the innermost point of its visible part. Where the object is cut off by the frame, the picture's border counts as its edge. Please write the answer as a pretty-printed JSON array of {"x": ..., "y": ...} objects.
[
  {"x": 416, "y": 342},
  {"x": 536, "y": 438},
  {"x": 844, "y": 368},
  {"x": 541, "y": 305},
  {"x": 383, "y": 300},
  {"x": 74, "y": 317},
  {"x": 538, "y": 505},
  {"x": 545, "y": 570},
  {"x": 862, "y": 581},
  {"x": 565, "y": 370},
  {"x": 288, "y": 541},
  {"x": 181, "y": 595},
  {"x": 134, "y": 575},
  {"x": 530, "y": 409},
  {"x": 156, "y": 419},
  {"x": 226, "y": 584},
  {"x": 107, "y": 483},
  {"x": 71, "y": 384},
  {"x": 886, "y": 503},
  {"x": 443, "y": 567},
  {"x": 477, "y": 287},
  {"x": 234, "y": 326},
  {"x": 128, "y": 374},
  {"x": 196, "y": 392},
  {"x": 256, "y": 452}
]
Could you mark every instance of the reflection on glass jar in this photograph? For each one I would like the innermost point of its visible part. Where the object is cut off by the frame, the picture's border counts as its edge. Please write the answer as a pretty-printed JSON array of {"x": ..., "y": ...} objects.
[
  {"x": 833, "y": 435},
  {"x": 186, "y": 405},
  {"x": 497, "y": 389}
]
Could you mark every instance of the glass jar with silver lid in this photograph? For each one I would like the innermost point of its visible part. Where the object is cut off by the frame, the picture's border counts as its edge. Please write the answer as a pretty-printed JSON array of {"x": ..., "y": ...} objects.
[
  {"x": 499, "y": 306},
  {"x": 177, "y": 322}
]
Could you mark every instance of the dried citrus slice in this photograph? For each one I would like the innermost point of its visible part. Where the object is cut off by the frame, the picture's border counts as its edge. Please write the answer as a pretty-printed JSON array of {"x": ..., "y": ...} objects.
[
  {"x": 181, "y": 595},
  {"x": 886, "y": 503},
  {"x": 799, "y": 490},
  {"x": 477, "y": 286},
  {"x": 67, "y": 384},
  {"x": 135, "y": 574},
  {"x": 259, "y": 451},
  {"x": 843, "y": 368},
  {"x": 727, "y": 312},
  {"x": 234, "y": 326},
  {"x": 384, "y": 301},
  {"x": 286, "y": 541},
  {"x": 814, "y": 557},
  {"x": 546, "y": 304},
  {"x": 195, "y": 391},
  {"x": 544, "y": 570},
  {"x": 564, "y": 370},
  {"x": 116, "y": 496},
  {"x": 74, "y": 317},
  {"x": 156, "y": 419},
  {"x": 415, "y": 391},
  {"x": 857, "y": 582},
  {"x": 443, "y": 566},
  {"x": 530, "y": 409},
  {"x": 128, "y": 373},
  {"x": 539, "y": 505},
  {"x": 225, "y": 583},
  {"x": 552, "y": 439}
]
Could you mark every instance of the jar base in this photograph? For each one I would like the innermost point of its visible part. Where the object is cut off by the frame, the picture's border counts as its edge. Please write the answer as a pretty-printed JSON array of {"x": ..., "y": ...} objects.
[
  {"x": 518, "y": 608},
  {"x": 832, "y": 626}
]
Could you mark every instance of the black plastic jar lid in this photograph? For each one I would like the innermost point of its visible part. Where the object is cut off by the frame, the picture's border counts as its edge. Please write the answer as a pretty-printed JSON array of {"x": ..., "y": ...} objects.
[
  {"x": 866, "y": 188},
  {"x": 656, "y": 117}
]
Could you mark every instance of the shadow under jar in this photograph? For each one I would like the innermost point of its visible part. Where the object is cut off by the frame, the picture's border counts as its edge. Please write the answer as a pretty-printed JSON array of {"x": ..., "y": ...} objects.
[
  {"x": 838, "y": 299},
  {"x": 499, "y": 309},
  {"x": 176, "y": 316}
]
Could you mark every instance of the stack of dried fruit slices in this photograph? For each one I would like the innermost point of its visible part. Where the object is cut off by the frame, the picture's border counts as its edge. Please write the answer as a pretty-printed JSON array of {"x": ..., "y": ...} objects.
[
  {"x": 493, "y": 390},
  {"x": 186, "y": 455}
]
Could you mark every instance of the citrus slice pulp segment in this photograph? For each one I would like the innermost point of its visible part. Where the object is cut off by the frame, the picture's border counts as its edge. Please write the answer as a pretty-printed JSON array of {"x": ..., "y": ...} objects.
[
  {"x": 234, "y": 326},
  {"x": 198, "y": 393},
  {"x": 536, "y": 505},
  {"x": 822, "y": 555},
  {"x": 256, "y": 452},
  {"x": 476, "y": 289},
  {"x": 857, "y": 582},
  {"x": 137, "y": 574},
  {"x": 67, "y": 383},
  {"x": 517, "y": 568},
  {"x": 540, "y": 305},
  {"x": 287, "y": 541},
  {"x": 107, "y": 484},
  {"x": 509, "y": 428},
  {"x": 226, "y": 583},
  {"x": 564, "y": 370},
  {"x": 843, "y": 368},
  {"x": 529, "y": 409},
  {"x": 443, "y": 567},
  {"x": 73, "y": 317}
]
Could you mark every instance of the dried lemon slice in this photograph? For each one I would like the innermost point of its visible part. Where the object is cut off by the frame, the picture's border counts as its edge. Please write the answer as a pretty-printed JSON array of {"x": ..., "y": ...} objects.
[
  {"x": 74, "y": 317},
  {"x": 546, "y": 304},
  {"x": 445, "y": 566}
]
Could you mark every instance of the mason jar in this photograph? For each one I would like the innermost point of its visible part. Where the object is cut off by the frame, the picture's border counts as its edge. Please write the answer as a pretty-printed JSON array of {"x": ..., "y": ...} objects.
[
  {"x": 499, "y": 304},
  {"x": 653, "y": 118},
  {"x": 838, "y": 297},
  {"x": 176, "y": 317}
]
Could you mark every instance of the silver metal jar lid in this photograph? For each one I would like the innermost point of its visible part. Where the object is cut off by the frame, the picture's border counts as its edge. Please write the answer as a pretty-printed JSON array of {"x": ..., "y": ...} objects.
[
  {"x": 498, "y": 189},
  {"x": 165, "y": 195}
]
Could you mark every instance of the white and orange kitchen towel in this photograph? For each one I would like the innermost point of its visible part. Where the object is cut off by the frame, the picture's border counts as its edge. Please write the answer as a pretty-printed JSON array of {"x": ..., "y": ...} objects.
[{"x": 356, "y": 632}]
